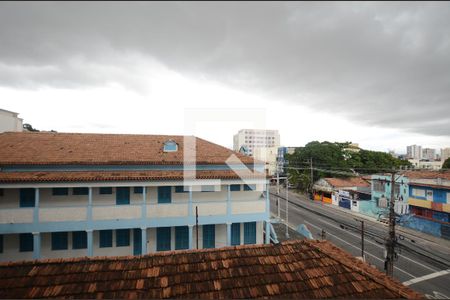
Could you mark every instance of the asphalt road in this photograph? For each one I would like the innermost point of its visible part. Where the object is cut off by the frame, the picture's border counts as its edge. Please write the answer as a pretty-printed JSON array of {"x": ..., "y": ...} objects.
[{"x": 416, "y": 266}]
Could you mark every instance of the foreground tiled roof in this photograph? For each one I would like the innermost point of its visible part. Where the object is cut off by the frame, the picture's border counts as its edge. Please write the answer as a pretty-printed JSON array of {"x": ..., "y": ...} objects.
[
  {"x": 83, "y": 176},
  {"x": 298, "y": 269},
  {"x": 39, "y": 148},
  {"x": 347, "y": 182}
]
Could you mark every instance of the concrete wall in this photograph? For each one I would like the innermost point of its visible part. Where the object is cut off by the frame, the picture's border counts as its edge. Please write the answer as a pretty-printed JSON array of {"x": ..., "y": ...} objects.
[{"x": 423, "y": 225}]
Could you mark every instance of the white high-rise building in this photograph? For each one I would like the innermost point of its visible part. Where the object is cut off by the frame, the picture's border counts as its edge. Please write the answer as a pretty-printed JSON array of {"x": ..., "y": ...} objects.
[
  {"x": 445, "y": 153},
  {"x": 256, "y": 138},
  {"x": 269, "y": 156},
  {"x": 429, "y": 154},
  {"x": 414, "y": 152},
  {"x": 9, "y": 121}
]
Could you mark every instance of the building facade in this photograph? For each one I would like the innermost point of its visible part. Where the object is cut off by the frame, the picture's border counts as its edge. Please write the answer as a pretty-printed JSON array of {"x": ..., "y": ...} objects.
[
  {"x": 445, "y": 154},
  {"x": 381, "y": 195},
  {"x": 414, "y": 152},
  {"x": 340, "y": 191},
  {"x": 429, "y": 154},
  {"x": 281, "y": 157},
  {"x": 9, "y": 121},
  {"x": 429, "y": 202},
  {"x": 426, "y": 164},
  {"x": 269, "y": 156},
  {"x": 253, "y": 138},
  {"x": 71, "y": 195}
]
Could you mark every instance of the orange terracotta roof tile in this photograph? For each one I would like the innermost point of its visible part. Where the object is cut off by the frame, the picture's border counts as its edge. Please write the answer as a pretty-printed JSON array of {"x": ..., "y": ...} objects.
[
  {"x": 49, "y": 148},
  {"x": 427, "y": 174},
  {"x": 300, "y": 269},
  {"x": 103, "y": 176},
  {"x": 347, "y": 182}
]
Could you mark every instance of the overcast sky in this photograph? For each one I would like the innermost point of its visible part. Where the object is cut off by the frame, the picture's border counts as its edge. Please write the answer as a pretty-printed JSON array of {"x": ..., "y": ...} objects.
[{"x": 373, "y": 73}]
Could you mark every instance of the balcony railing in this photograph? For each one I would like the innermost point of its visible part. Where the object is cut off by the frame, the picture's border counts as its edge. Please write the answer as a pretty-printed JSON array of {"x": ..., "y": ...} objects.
[{"x": 103, "y": 212}]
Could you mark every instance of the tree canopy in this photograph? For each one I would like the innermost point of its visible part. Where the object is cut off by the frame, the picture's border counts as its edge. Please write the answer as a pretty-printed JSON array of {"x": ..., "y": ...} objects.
[
  {"x": 331, "y": 158},
  {"x": 446, "y": 164}
]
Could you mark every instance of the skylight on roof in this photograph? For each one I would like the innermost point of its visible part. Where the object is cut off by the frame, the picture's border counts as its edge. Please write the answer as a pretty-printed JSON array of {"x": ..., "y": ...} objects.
[{"x": 170, "y": 146}]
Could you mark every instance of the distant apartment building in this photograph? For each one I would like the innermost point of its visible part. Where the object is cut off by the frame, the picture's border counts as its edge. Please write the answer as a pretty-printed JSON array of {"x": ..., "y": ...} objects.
[
  {"x": 445, "y": 153},
  {"x": 253, "y": 138},
  {"x": 269, "y": 156},
  {"x": 9, "y": 121},
  {"x": 66, "y": 195},
  {"x": 429, "y": 154},
  {"x": 426, "y": 164},
  {"x": 353, "y": 147},
  {"x": 414, "y": 152},
  {"x": 281, "y": 157}
]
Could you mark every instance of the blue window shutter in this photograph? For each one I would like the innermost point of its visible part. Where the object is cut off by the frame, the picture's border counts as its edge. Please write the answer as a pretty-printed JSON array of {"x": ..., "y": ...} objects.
[
  {"x": 138, "y": 189},
  {"x": 105, "y": 238},
  {"x": 181, "y": 237},
  {"x": 181, "y": 189},
  {"x": 105, "y": 190},
  {"x": 27, "y": 197},
  {"x": 164, "y": 194},
  {"x": 60, "y": 191},
  {"x": 25, "y": 242},
  {"x": 80, "y": 191},
  {"x": 250, "y": 233},
  {"x": 59, "y": 240},
  {"x": 79, "y": 240},
  {"x": 122, "y": 237},
  {"x": 209, "y": 236},
  {"x": 137, "y": 241},
  {"x": 235, "y": 234},
  {"x": 122, "y": 195},
  {"x": 235, "y": 187},
  {"x": 163, "y": 238}
]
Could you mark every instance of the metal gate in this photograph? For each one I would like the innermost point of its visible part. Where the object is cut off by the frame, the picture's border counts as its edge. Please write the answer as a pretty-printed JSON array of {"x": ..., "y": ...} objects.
[{"x": 344, "y": 202}]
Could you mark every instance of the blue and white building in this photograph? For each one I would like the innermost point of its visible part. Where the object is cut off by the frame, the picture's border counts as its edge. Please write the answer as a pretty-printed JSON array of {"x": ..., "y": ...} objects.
[{"x": 72, "y": 195}]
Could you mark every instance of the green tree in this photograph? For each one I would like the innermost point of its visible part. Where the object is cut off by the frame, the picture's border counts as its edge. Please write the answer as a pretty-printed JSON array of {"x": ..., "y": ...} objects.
[
  {"x": 446, "y": 164},
  {"x": 28, "y": 127},
  {"x": 329, "y": 158}
]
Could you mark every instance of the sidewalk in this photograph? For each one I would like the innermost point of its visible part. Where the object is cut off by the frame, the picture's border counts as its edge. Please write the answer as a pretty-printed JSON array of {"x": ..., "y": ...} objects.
[{"x": 280, "y": 230}]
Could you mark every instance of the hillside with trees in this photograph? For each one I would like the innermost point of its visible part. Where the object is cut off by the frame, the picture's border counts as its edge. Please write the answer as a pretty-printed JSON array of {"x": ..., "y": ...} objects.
[{"x": 337, "y": 160}]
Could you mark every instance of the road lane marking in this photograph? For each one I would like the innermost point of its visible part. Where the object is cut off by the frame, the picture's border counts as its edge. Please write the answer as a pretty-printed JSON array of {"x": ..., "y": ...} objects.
[
  {"x": 427, "y": 277},
  {"x": 403, "y": 271},
  {"x": 367, "y": 253},
  {"x": 369, "y": 241}
]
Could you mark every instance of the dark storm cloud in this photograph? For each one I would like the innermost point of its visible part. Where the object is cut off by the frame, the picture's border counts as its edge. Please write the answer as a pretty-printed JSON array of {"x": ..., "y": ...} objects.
[{"x": 378, "y": 63}]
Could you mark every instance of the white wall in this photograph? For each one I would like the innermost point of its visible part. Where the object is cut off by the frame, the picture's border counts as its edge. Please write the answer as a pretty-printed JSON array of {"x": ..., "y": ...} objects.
[
  {"x": 9, "y": 121},
  {"x": 11, "y": 244}
]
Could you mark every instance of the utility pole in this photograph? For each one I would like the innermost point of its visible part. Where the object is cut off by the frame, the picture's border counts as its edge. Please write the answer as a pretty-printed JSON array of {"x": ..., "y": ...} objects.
[
  {"x": 390, "y": 244},
  {"x": 196, "y": 222},
  {"x": 287, "y": 206},
  {"x": 278, "y": 188},
  {"x": 362, "y": 238},
  {"x": 312, "y": 176}
]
